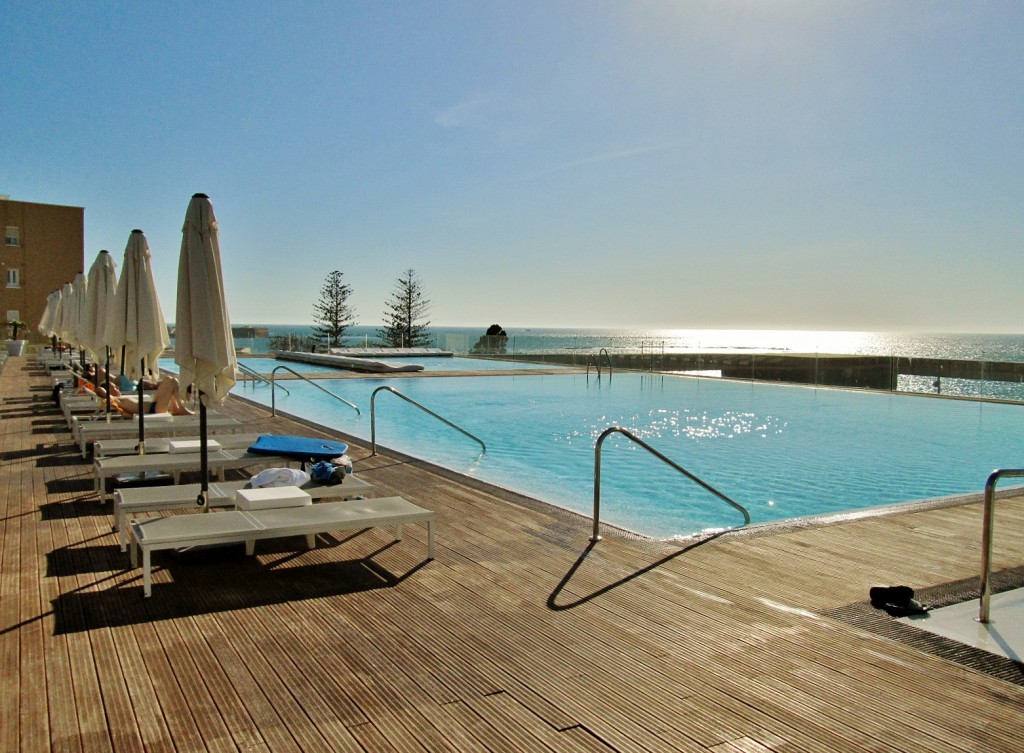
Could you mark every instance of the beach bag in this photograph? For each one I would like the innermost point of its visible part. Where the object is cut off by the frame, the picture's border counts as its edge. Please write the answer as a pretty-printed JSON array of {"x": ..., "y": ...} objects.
[{"x": 327, "y": 473}]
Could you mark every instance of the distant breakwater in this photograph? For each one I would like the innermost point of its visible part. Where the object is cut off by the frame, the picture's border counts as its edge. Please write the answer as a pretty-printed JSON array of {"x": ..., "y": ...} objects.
[{"x": 827, "y": 370}]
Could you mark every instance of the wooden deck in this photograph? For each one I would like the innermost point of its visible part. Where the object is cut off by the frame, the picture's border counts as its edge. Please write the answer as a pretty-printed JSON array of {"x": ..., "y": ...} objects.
[{"x": 520, "y": 636}]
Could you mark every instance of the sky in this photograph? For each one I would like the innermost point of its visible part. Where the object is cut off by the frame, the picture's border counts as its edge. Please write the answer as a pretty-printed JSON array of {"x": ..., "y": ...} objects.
[{"x": 749, "y": 164}]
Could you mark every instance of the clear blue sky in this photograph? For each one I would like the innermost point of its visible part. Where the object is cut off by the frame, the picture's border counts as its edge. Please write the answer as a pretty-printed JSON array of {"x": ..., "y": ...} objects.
[{"x": 811, "y": 165}]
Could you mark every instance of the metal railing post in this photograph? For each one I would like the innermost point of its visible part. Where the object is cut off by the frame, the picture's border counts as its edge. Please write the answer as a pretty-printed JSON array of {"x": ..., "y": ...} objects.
[
  {"x": 596, "y": 536},
  {"x": 988, "y": 526},
  {"x": 442, "y": 419},
  {"x": 273, "y": 390}
]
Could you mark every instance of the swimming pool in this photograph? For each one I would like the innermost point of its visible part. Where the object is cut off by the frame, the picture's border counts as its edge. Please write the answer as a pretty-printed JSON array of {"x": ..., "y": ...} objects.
[{"x": 781, "y": 451}]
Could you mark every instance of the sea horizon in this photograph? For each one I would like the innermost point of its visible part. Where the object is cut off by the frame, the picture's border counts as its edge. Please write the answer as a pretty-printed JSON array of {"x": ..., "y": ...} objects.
[{"x": 460, "y": 340}]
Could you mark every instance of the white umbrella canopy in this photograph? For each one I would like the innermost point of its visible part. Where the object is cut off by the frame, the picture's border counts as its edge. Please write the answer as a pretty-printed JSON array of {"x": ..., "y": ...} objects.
[
  {"x": 47, "y": 324},
  {"x": 204, "y": 347},
  {"x": 67, "y": 311},
  {"x": 100, "y": 303},
  {"x": 138, "y": 325},
  {"x": 80, "y": 301}
]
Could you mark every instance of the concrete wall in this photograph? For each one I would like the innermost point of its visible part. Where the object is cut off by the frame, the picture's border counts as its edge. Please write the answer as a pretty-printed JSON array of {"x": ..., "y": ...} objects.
[{"x": 869, "y": 372}]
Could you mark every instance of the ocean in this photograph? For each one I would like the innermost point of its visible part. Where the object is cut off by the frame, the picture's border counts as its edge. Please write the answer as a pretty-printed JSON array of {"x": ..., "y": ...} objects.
[
  {"x": 982, "y": 347},
  {"x": 538, "y": 341}
]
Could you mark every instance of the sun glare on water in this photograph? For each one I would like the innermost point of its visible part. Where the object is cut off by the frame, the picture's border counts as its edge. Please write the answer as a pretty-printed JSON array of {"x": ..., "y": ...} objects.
[{"x": 790, "y": 341}]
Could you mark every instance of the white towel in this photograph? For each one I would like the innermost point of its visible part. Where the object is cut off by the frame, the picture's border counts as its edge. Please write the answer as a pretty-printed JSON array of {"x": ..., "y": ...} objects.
[{"x": 272, "y": 477}]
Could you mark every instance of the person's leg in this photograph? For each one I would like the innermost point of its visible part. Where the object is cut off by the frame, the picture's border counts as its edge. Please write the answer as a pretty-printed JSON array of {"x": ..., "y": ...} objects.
[
  {"x": 165, "y": 392},
  {"x": 127, "y": 404},
  {"x": 176, "y": 406}
]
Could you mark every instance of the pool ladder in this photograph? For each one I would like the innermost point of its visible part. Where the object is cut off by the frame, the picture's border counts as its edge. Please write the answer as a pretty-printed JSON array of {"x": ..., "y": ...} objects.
[
  {"x": 392, "y": 390},
  {"x": 273, "y": 390},
  {"x": 596, "y": 360},
  {"x": 597, "y": 477},
  {"x": 255, "y": 376},
  {"x": 988, "y": 525}
]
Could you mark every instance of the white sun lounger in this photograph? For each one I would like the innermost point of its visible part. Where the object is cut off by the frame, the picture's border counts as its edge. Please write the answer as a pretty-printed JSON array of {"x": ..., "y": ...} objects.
[
  {"x": 85, "y": 406},
  {"x": 219, "y": 461},
  {"x": 106, "y": 448},
  {"x": 133, "y": 501},
  {"x": 179, "y": 531},
  {"x": 86, "y": 431}
]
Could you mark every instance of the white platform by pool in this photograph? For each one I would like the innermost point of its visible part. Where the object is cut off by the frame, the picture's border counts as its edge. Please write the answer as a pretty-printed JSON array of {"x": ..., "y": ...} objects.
[{"x": 1003, "y": 635}]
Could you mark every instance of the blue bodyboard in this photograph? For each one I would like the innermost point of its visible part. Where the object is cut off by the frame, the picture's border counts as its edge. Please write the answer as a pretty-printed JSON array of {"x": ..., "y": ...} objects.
[{"x": 300, "y": 448}]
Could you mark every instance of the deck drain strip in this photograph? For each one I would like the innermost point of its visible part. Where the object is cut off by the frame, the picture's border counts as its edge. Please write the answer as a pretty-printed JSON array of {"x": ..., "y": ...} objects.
[{"x": 867, "y": 617}]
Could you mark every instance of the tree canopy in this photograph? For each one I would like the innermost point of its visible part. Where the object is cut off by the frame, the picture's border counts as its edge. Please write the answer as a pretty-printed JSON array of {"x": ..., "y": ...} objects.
[
  {"x": 404, "y": 312},
  {"x": 332, "y": 314}
]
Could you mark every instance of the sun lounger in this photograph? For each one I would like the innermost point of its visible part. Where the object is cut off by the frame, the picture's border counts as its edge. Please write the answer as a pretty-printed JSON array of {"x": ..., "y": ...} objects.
[
  {"x": 85, "y": 407},
  {"x": 134, "y": 501},
  {"x": 174, "y": 464},
  {"x": 106, "y": 448},
  {"x": 249, "y": 526},
  {"x": 86, "y": 431},
  {"x": 76, "y": 403}
]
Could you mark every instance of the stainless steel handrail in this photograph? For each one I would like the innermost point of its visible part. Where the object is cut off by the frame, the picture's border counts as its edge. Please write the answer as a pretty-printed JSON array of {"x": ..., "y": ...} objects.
[
  {"x": 373, "y": 418},
  {"x": 986, "y": 536},
  {"x": 256, "y": 376},
  {"x": 596, "y": 360},
  {"x": 273, "y": 390},
  {"x": 597, "y": 477}
]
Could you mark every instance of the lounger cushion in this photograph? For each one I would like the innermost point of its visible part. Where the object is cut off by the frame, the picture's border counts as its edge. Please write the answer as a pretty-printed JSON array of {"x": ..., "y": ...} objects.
[
  {"x": 300, "y": 448},
  {"x": 191, "y": 445},
  {"x": 271, "y": 498}
]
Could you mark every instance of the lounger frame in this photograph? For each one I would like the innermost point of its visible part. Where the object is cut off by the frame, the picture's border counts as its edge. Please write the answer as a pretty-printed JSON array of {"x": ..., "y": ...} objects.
[
  {"x": 132, "y": 502},
  {"x": 181, "y": 531}
]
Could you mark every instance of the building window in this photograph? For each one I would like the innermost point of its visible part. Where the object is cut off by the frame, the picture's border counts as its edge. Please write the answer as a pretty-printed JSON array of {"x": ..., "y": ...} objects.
[
  {"x": 13, "y": 278},
  {"x": 11, "y": 236}
]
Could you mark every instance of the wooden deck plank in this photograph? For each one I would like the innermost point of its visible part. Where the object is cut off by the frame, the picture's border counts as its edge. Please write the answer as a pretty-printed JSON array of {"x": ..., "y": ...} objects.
[
  {"x": 521, "y": 634},
  {"x": 216, "y": 707},
  {"x": 65, "y": 733},
  {"x": 10, "y": 614},
  {"x": 34, "y": 712},
  {"x": 298, "y": 692},
  {"x": 251, "y": 694},
  {"x": 87, "y": 694}
]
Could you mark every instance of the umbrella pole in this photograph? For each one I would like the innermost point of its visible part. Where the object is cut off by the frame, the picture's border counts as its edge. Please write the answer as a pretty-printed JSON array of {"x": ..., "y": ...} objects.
[
  {"x": 204, "y": 459},
  {"x": 142, "y": 410},
  {"x": 106, "y": 370}
]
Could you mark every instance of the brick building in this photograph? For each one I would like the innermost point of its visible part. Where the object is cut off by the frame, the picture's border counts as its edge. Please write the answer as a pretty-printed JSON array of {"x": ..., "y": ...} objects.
[{"x": 44, "y": 247}]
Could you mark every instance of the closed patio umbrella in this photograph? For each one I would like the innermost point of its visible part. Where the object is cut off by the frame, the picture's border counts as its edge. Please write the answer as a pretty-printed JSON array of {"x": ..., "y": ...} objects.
[
  {"x": 46, "y": 322},
  {"x": 58, "y": 320},
  {"x": 99, "y": 310},
  {"x": 67, "y": 313},
  {"x": 204, "y": 348},
  {"x": 81, "y": 302},
  {"x": 138, "y": 326}
]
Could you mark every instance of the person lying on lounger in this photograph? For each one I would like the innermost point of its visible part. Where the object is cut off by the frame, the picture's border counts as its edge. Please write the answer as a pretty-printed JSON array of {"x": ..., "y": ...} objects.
[
  {"x": 94, "y": 379},
  {"x": 167, "y": 399}
]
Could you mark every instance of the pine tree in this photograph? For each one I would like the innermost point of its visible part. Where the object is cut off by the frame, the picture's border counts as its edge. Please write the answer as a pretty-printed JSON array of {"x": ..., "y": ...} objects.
[
  {"x": 332, "y": 313},
  {"x": 407, "y": 306}
]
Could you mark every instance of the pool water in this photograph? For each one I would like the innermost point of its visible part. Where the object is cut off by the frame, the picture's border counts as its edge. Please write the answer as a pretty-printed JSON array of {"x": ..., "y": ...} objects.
[{"x": 781, "y": 451}]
